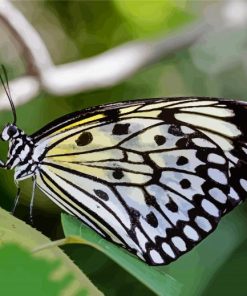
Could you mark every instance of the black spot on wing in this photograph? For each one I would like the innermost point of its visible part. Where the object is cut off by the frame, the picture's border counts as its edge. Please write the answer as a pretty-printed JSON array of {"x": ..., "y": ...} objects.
[
  {"x": 172, "y": 206},
  {"x": 175, "y": 130},
  {"x": 134, "y": 215},
  {"x": 118, "y": 174},
  {"x": 152, "y": 220},
  {"x": 150, "y": 200},
  {"x": 111, "y": 115},
  {"x": 182, "y": 160},
  {"x": 185, "y": 184},
  {"x": 84, "y": 139},
  {"x": 167, "y": 115},
  {"x": 159, "y": 139},
  {"x": 101, "y": 194},
  {"x": 120, "y": 129}
]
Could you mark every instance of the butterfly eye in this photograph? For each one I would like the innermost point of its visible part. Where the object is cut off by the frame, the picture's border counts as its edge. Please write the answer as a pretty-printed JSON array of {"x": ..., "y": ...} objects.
[
  {"x": 11, "y": 130},
  {"x": 8, "y": 132}
]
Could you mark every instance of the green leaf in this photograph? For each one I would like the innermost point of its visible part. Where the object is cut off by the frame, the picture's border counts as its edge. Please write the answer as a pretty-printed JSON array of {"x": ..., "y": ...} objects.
[
  {"x": 15, "y": 231},
  {"x": 157, "y": 281},
  {"x": 234, "y": 268},
  {"x": 23, "y": 274}
]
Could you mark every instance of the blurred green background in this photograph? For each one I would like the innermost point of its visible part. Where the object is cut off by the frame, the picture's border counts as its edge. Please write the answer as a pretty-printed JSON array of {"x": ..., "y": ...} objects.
[{"x": 215, "y": 66}]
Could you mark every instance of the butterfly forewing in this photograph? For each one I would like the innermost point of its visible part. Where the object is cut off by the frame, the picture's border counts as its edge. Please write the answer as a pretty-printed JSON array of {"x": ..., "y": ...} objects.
[{"x": 154, "y": 176}]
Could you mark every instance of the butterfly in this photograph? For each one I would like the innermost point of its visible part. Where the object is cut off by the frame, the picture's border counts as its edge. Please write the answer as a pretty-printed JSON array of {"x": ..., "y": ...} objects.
[{"x": 154, "y": 176}]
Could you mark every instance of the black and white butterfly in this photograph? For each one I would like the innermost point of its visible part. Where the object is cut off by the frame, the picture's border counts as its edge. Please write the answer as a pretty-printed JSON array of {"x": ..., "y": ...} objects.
[{"x": 154, "y": 176}]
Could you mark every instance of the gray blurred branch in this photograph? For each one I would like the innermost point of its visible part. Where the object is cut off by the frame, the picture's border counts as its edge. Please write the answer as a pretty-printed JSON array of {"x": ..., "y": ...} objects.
[
  {"x": 117, "y": 64},
  {"x": 104, "y": 70},
  {"x": 32, "y": 46}
]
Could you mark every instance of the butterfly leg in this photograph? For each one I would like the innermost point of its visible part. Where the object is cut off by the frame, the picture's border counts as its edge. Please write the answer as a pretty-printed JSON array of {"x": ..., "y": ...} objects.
[
  {"x": 16, "y": 198},
  {"x": 32, "y": 201}
]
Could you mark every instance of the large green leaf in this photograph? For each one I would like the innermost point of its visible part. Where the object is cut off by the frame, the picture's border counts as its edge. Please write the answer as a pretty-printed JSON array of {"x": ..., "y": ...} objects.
[
  {"x": 20, "y": 268},
  {"x": 23, "y": 274},
  {"x": 159, "y": 282}
]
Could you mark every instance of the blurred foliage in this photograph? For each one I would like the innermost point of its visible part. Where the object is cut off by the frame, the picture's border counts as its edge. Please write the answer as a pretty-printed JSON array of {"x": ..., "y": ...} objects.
[
  {"x": 152, "y": 17},
  {"x": 216, "y": 66}
]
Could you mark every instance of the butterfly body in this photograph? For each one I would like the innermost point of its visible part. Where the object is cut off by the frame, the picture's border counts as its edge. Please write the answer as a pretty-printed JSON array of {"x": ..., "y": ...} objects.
[{"x": 154, "y": 176}]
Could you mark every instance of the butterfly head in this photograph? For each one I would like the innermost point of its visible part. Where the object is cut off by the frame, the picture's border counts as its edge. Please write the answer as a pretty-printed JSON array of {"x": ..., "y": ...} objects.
[{"x": 10, "y": 132}]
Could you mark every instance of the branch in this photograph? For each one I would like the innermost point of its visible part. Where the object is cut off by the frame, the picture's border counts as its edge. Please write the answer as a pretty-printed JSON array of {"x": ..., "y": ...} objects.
[
  {"x": 104, "y": 70},
  {"x": 32, "y": 46},
  {"x": 117, "y": 64},
  {"x": 22, "y": 89}
]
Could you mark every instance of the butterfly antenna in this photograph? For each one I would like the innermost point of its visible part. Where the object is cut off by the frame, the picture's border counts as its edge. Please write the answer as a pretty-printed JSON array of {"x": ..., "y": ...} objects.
[{"x": 7, "y": 91}]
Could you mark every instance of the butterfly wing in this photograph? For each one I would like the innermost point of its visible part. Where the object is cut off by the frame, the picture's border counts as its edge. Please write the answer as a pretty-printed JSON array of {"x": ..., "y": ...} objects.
[{"x": 154, "y": 176}]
